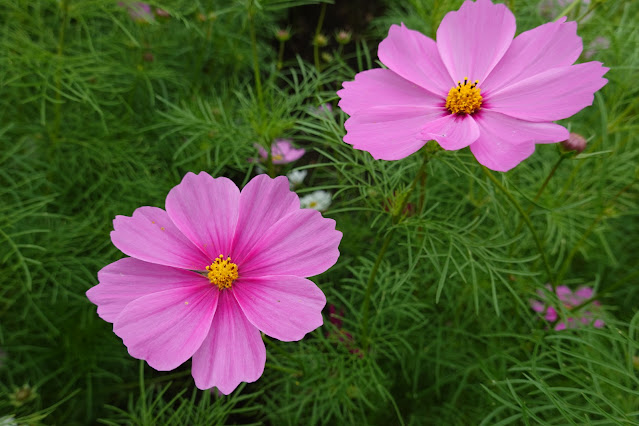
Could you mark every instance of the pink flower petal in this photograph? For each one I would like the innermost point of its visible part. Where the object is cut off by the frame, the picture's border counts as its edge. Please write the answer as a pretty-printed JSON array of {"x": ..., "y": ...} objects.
[
  {"x": 166, "y": 328},
  {"x": 551, "y": 314},
  {"x": 415, "y": 57},
  {"x": 128, "y": 279},
  {"x": 303, "y": 244},
  {"x": 389, "y": 134},
  {"x": 284, "y": 148},
  {"x": 381, "y": 87},
  {"x": 472, "y": 40},
  {"x": 233, "y": 352},
  {"x": 564, "y": 293},
  {"x": 263, "y": 202},
  {"x": 583, "y": 293},
  {"x": 560, "y": 326},
  {"x": 504, "y": 142},
  {"x": 283, "y": 307},
  {"x": 452, "y": 131},
  {"x": 599, "y": 323},
  {"x": 551, "y": 45},
  {"x": 537, "y": 306},
  {"x": 150, "y": 235},
  {"x": 205, "y": 210},
  {"x": 551, "y": 95}
]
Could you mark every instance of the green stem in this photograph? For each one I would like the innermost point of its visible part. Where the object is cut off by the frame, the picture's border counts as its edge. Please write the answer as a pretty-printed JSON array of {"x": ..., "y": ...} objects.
[
  {"x": 382, "y": 252},
  {"x": 369, "y": 289},
  {"x": 613, "y": 287},
  {"x": 58, "y": 79},
  {"x": 256, "y": 61},
  {"x": 318, "y": 29},
  {"x": 526, "y": 219},
  {"x": 541, "y": 190},
  {"x": 280, "y": 56},
  {"x": 142, "y": 389},
  {"x": 591, "y": 228}
]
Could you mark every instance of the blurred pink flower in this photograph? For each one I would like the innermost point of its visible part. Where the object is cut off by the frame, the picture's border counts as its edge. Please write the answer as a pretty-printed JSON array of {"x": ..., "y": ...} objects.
[
  {"x": 138, "y": 11},
  {"x": 569, "y": 300},
  {"x": 282, "y": 151},
  {"x": 475, "y": 86},
  {"x": 597, "y": 45},
  {"x": 342, "y": 336},
  {"x": 211, "y": 272}
]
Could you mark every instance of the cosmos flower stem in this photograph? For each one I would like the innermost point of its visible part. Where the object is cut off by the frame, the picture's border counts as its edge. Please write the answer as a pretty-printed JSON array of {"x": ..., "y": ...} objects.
[
  {"x": 567, "y": 10},
  {"x": 528, "y": 223},
  {"x": 280, "y": 55},
  {"x": 369, "y": 289},
  {"x": 256, "y": 61},
  {"x": 318, "y": 29},
  {"x": 142, "y": 388},
  {"x": 58, "y": 80},
  {"x": 591, "y": 228},
  {"x": 621, "y": 282},
  {"x": 382, "y": 252},
  {"x": 541, "y": 188}
]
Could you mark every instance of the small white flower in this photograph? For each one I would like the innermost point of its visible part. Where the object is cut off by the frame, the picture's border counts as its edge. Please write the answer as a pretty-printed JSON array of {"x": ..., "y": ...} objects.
[
  {"x": 296, "y": 177},
  {"x": 318, "y": 200}
]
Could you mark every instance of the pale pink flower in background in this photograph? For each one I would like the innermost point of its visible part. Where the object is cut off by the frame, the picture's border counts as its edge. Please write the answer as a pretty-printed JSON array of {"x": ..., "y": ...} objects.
[
  {"x": 475, "y": 86},
  {"x": 138, "y": 11},
  {"x": 569, "y": 299},
  {"x": 296, "y": 177},
  {"x": 597, "y": 45},
  {"x": 282, "y": 152},
  {"x": 211, "y": 271}
]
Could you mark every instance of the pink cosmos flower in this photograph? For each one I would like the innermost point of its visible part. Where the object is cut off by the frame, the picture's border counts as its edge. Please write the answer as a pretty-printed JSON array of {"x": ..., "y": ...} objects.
[
  {"x": 138, "y": 11},
  {"x": 569, "y": 300},
  {"x": 475, "y": 86},
  {"x": 211, "y": 272},
  {"x": 282, "y": 150}
]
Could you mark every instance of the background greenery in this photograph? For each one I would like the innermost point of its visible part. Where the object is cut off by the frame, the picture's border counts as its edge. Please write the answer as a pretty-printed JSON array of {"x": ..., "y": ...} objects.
[{"x": 101, "y": 114}]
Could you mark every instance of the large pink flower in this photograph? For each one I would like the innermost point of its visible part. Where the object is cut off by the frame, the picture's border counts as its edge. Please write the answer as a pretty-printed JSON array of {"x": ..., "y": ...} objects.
[
  {"x": 211, "y": 272},
  {"x": 475, "y": 87}
]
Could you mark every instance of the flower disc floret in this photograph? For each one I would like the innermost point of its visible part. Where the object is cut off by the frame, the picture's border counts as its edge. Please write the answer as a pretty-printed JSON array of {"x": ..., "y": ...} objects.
[
  {"x": 222, "y": 272},
  {"x": 464, "y": 98}
]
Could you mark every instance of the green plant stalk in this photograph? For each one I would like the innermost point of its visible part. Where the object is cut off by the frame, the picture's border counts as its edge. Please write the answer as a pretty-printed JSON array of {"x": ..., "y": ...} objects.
[
  {"x": 58, "y": 79},
  {"x": 591, "y": 228},
  {"x": 380, "y": 256},
  {"x": 280, "y": 56},
  {"x": 256, "y": 60},
  {"x": 606, "y": 290},
  {"x": 541, "y": 189},
  {"x": 526, "y": 219},
  {"x": 318, "y": 29}
]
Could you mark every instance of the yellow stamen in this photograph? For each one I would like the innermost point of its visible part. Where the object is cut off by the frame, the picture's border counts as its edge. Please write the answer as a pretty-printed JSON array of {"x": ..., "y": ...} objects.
[
  {"x": 222, "y": 272},
  {"x": 464, "y": 98},
  {"x": 278, "y": 157}
]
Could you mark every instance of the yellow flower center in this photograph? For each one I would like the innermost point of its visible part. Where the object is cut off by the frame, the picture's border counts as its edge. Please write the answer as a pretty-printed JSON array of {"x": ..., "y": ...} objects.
[
  {"x": 464, "y": 98},
  {"x": 278, "y": 157},
  {"x": 222, "y": 272}
]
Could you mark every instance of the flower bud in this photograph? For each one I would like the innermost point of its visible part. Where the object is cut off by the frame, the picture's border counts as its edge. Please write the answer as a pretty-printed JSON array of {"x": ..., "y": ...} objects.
[
  {"x": 283, "y": 34},
  {"x": 575, "y": 142},
  {"x": 320, "y": 40},
  {"x": 343, "y": 37}
]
